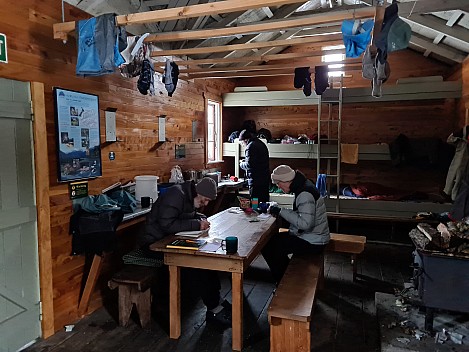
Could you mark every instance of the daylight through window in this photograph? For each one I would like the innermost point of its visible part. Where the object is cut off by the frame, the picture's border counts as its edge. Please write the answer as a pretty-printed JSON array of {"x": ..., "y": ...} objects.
[{"x": 213, "y": 131}]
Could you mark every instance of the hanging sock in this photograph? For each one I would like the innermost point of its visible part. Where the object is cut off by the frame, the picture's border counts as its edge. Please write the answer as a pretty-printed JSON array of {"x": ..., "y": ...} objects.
[{"x": 321, "y": 79}]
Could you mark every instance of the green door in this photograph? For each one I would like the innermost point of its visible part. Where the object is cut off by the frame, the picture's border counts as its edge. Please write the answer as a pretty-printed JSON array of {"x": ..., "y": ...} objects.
[{"x": 19, "y": 272}]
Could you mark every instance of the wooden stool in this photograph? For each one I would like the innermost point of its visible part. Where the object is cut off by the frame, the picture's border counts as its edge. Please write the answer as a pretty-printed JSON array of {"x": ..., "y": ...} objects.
[{"x": 134, "y": 288}]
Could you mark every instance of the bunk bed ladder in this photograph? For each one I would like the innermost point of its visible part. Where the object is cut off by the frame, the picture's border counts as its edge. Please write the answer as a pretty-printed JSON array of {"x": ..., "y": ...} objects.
[{"x": 333, "y": 125}]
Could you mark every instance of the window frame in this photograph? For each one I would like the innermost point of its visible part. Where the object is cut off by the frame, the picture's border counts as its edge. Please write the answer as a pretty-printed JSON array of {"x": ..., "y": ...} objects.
[{"x": 216, "y": 105}]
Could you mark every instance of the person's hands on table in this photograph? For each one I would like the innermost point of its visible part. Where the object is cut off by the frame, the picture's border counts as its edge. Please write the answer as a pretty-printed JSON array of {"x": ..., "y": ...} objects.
[
  {"x": 204, "y": 224},
  {"x": 274, "y": 210}
]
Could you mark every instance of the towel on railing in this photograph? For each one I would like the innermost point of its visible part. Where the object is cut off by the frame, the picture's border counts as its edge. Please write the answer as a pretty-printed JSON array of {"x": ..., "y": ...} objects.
[{"x": 349, "y": 153}]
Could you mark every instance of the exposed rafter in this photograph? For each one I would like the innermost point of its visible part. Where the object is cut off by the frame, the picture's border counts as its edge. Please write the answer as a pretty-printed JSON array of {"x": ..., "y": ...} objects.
[
  {"x": 267, "y": 72},
  {"x": 235, "y": 35},
  {"x": 227, "y": 6},
  {"x": 441, "y": 50},
  {"x": 248, "y": 46},
  {"x": 254, "y": 58},
  {"x": 436, "y": 24},
  {"x": 264, "y": 26},
  {"x": 289, "y": 65}
]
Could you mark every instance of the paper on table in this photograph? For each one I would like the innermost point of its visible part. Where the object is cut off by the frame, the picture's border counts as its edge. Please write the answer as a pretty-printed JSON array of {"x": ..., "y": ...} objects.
[
  {"x": 211, "y": 246},
  {"x": 263, "y": 216},
  {"x": 196, "y": 233}
]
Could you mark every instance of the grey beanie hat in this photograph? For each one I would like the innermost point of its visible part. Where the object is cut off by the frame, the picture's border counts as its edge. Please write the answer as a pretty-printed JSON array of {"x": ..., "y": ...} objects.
[
  {"x": 207, "y": 187},
  {"x": 282, "y": 173}
]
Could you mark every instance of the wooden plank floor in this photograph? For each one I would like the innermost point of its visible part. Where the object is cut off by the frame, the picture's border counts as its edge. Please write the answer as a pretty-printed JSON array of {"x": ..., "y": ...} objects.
[{"x": 344, "y": 318}]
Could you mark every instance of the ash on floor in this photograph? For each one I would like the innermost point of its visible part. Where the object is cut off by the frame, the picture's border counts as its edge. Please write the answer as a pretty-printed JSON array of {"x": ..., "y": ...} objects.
[{"x": 402, "y": 324}]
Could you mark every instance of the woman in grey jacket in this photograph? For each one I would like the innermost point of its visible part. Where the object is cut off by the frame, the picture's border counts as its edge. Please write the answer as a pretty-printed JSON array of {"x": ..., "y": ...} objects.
[{"x": 309, "y": 230}]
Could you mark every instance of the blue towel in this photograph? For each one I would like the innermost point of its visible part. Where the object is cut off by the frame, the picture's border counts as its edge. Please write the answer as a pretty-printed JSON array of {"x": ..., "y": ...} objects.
[{"x": 356, "y": 36}]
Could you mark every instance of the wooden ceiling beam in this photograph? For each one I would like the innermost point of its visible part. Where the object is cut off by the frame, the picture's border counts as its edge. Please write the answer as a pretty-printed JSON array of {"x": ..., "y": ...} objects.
[
  {"x": 440, "y": 49},
  {"x": 264, "y": 26},
  {"x": 284, "y": 72},
  {"x": 248, "y": 46},
  {"x": 176, "y": 13},
  {"x": 436, "y": 24},
  {"x": 289, "y": 65},
  {"x": 253, "y": 58}
]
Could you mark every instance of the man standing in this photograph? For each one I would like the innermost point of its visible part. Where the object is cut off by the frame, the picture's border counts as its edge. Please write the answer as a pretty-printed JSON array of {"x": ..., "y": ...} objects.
[
  {"x": 175, "y": 211},
  {"x": 256, "y": 165},
  {"x": 309, "y": 230}
]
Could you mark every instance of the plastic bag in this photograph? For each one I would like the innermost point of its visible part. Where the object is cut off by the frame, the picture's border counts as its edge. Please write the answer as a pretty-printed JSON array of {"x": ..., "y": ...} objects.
[{"x": 176, "y": 175}]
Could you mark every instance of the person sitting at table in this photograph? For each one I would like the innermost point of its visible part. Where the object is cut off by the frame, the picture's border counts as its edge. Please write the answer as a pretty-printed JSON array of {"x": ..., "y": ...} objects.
[
  {"x": 175, "y": 211},
  {"x": 308, "y": 232}
]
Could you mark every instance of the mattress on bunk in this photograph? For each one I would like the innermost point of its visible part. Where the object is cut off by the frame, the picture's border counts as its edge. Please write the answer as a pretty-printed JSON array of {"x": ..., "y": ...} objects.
[
  {"x": 378, "y": 191},
  {"x": 384, "y": 208}
]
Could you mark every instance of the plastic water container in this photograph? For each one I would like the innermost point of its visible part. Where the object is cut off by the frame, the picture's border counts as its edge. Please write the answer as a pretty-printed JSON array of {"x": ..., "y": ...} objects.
[{"x": 146, "y": 186}]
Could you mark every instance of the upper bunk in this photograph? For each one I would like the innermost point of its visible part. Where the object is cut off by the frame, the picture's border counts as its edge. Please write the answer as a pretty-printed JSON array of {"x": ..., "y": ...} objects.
[
  {"x": 308, "y": 151},
  {"x": 408, "y": 89},
  {"x": 420, "y": 88}
]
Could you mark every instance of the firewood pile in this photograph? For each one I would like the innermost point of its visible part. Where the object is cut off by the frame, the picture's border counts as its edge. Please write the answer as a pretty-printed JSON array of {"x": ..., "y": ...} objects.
[{"x": 450, "y": 238}]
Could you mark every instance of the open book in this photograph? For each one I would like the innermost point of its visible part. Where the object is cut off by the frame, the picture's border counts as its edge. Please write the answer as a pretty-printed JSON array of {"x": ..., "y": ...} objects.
[
  {"x": 184, "y": 243},
  {"x": 195, "y": 233}
]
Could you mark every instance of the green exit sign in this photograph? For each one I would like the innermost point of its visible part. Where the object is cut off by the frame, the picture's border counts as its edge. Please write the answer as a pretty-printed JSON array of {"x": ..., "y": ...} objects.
[{"x": 3, "y": 48}]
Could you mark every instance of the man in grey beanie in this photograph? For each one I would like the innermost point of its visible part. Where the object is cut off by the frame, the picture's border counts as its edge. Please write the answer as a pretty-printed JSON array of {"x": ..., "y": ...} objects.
[
  {"x": 176, "y": 211},
  {"x": 308, "y": 233}
]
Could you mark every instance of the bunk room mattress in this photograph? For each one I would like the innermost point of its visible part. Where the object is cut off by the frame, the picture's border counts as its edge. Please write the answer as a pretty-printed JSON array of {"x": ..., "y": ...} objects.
[{"x": 356, "y": 207}]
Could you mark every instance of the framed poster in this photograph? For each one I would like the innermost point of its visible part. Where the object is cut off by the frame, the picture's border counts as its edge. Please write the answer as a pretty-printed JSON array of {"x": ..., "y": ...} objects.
[{"x": 77, "y": 129}]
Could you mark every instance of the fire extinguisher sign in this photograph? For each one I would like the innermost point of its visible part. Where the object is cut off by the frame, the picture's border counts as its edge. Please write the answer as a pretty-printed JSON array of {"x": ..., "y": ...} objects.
[{"x": 3, "y": 48}]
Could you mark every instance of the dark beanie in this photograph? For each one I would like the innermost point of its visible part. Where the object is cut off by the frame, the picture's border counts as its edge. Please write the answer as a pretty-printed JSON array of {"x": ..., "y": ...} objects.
[
  {"x": 207, "y": 187},
  {"x": 245, "y": 135}
]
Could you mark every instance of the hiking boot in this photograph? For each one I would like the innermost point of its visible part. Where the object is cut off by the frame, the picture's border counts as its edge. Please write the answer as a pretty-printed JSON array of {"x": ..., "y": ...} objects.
[{"x": 222, "y": 318}]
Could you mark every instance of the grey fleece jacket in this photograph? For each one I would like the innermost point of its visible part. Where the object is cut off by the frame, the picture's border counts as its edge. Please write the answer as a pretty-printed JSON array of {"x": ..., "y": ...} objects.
[{"x": 309, "y": 220}]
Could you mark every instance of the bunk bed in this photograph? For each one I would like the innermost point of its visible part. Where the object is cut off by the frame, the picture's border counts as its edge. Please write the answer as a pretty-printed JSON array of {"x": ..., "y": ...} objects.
[{"x": 344, "y": 207}]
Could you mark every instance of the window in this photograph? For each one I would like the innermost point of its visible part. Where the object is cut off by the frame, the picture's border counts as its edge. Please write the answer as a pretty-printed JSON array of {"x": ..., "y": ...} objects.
[
  {"x": 214, "y": 134},
  {"x": 336, "y": 57}
]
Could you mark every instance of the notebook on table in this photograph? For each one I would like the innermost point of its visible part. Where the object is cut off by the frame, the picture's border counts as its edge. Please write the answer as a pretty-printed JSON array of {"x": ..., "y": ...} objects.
[
  {"x": 183, "y": 243},
  {"x": 195, "y": 233}
]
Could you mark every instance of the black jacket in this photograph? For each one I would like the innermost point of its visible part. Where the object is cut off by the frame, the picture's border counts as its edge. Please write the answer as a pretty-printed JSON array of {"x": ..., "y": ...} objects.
[
  {"x": 256, "y": 162},
  {"x": 172, "y": 212}
]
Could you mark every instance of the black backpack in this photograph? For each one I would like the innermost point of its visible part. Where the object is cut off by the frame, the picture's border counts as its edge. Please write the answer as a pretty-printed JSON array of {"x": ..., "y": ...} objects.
[
  {"x": 144, "y": 81},
  {"x": 265, "y": 134}
]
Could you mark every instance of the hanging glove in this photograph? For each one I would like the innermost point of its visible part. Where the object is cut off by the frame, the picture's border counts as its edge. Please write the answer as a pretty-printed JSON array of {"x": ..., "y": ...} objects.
[{"x": 274, "y": 210}]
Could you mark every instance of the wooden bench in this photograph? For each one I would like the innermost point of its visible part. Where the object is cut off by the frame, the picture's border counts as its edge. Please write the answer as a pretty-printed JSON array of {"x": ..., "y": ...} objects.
[
  {"x": 351, "y": 244},
  {"x": 134, "y": 283},
  {"x": 292, "y": 306}
]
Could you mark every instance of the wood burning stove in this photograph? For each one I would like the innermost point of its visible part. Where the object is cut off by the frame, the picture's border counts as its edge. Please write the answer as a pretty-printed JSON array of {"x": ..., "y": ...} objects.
[{"x": 442, "y": 280}]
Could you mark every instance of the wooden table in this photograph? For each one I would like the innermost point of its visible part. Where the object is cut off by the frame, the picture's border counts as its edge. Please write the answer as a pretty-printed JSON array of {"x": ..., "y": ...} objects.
[{"x": 252, "y": 236}]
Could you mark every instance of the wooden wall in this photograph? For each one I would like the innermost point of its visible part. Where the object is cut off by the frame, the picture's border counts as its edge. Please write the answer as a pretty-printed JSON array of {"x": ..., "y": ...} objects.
[
  {"x": 378, "y": 122},
  {"x": 35, "y": 56}
]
